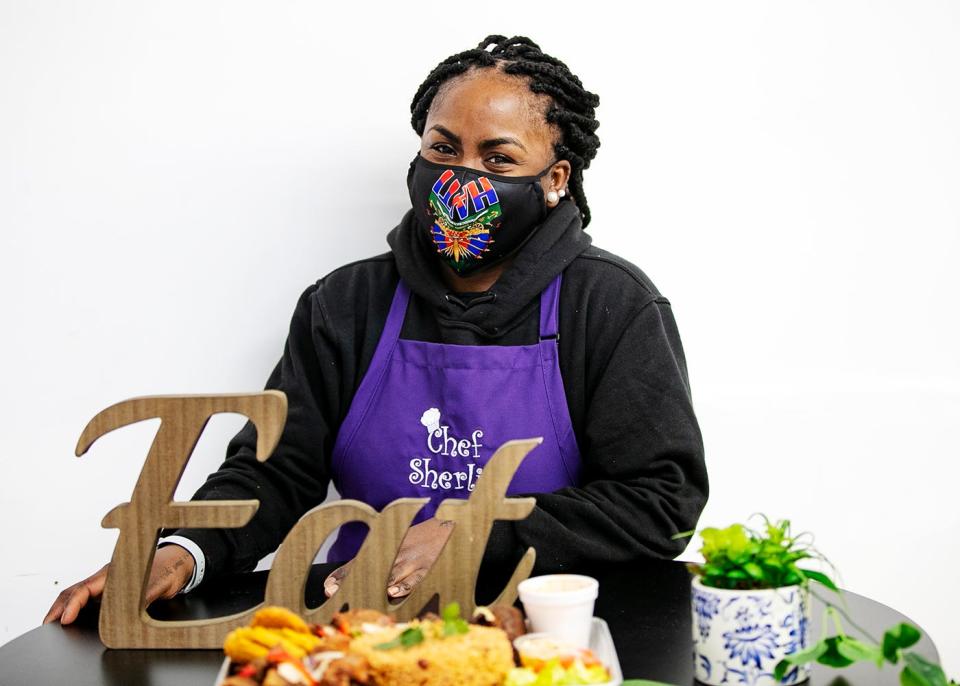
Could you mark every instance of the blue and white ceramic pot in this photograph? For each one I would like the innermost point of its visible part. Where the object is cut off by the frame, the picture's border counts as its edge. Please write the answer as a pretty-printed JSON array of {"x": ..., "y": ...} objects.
[{"x": 740, "y": 636}]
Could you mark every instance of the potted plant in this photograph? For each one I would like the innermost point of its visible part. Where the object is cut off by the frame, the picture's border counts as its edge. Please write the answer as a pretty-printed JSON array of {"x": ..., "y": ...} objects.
[{"x": 750, "y": 602}]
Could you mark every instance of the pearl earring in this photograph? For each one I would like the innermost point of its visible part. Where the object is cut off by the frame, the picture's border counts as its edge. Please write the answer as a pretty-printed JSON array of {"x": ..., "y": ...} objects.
[
  {"x": 552, "y": 197},
  {"x": 562, "y": 192}
]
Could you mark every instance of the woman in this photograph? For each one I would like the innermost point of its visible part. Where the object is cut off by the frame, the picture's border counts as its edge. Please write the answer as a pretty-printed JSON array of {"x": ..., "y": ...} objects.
[{"x": 492, "y": 317}]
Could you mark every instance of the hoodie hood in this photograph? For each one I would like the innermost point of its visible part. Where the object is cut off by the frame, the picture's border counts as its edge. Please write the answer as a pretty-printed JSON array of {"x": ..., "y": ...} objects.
[{"x": 548, "y": 251}]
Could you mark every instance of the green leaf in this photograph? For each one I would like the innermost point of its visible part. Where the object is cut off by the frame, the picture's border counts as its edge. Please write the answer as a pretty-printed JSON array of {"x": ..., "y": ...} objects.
[
  {"x": 450, "y": 611},
  {"x": 921, "y": 672},
  {"x": 820, "y": 577},
  {"x": 802, "y": 657},
  {"x": 754, "y": 570},
  {"x": 408, "y": 637},
  {"x": 732, "y": 541},
  {"x": 855, "y": 650},
  {"x": 901, "y": 636},
  {"x": 832, "y": 657},
  {"x": 452, "y": 622},
  {"x": 791, "y": 578},
  {"x": 411, "y": 637},
  {"x": 737, "y": 574},
  {"x": 910, "y": 678},
  {"x": 455, "y": 626}
]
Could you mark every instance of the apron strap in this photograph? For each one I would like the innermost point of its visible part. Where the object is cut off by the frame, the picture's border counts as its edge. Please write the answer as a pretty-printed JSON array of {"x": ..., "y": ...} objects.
[
  {"x": 549, "y": 307},
  {"x": 398, "y": 310}
]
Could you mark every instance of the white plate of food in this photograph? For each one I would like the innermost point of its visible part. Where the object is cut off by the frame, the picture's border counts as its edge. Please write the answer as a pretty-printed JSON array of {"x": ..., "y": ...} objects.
[{"x": 367, "y": 647}]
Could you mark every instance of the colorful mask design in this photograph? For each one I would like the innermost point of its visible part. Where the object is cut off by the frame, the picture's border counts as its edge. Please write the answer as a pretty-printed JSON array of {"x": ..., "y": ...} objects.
[
  {"x": 474, "y": 218},
  {"x": 464, "y": 217}
]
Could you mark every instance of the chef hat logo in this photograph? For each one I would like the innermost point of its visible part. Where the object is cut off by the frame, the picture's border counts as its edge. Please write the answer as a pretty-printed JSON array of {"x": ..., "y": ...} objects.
[{"x": 431, "y": 420}]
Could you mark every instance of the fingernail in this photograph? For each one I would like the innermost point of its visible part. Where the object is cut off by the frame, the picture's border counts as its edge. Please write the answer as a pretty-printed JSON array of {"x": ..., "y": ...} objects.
[{"x": 393, "y": 590}]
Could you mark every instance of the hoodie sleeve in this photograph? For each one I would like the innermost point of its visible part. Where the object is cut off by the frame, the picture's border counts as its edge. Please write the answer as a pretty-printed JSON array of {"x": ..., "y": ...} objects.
[
  {"x": 645, "y": 478},
  {"x": 295, "y": 477}
]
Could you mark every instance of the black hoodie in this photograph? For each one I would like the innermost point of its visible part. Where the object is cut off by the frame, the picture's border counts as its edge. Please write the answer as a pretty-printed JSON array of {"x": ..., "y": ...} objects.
[{"x": 623, "y": 370}]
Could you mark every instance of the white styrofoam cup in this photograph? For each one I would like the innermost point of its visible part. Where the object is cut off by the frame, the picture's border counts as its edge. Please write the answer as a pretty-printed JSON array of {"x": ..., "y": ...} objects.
[{"x": 560, "y": 605}]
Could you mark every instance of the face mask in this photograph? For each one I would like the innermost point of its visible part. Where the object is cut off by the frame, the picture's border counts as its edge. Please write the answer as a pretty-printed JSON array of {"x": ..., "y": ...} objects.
[{"x": 473, "y": 218}]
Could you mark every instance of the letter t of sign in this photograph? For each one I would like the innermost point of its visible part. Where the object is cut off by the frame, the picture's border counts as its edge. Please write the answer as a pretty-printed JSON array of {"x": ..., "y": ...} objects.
[
  {"x": 124, "y": 622},
  {"x": 454, "y": 574}
]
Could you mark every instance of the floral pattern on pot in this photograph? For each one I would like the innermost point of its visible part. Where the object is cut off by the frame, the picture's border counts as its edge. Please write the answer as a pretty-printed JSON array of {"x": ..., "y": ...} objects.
[{"x": 740, "y": 636}]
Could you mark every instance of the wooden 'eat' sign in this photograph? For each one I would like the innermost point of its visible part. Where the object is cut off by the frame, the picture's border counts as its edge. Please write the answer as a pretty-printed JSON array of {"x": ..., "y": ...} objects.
[{"x": 124, "y": 622}]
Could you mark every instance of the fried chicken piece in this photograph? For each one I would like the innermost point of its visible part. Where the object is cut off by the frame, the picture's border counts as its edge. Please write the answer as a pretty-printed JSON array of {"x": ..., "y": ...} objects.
[
  {"x": 505, "y": 617},
  {"x": 333, "y": 641},
  {"x": 347, "y": 670}
]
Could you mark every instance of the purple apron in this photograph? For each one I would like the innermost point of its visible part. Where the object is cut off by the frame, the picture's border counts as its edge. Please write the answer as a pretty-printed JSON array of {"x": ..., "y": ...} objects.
[{"x": 428, "y": 416}]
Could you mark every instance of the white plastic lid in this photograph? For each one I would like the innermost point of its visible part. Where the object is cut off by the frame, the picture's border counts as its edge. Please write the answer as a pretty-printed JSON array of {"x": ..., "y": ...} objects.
[{"x": 558, "y": 589}]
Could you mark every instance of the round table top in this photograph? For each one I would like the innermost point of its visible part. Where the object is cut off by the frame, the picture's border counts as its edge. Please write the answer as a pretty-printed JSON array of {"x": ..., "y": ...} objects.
[{"x": 647, "y": 607}]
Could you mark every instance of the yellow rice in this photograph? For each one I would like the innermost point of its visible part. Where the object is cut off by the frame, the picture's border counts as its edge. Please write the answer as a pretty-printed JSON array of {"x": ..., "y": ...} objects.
[{"x": 480, "y": 657}]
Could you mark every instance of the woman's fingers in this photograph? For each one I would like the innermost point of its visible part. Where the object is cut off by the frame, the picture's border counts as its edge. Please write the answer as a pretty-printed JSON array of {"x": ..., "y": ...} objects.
[
  {"x": 171, "y": 570},
  {"x": 69, "y": 603},
  {"x": 419, "y": 550},
  {"x": 402, "y": 568},
  {"x": 408, "y": 569},
  {"x": 76, "y": 602},
  {"x": 53, "y": 614},
  {"x": 332, "y": 583},
  {"x": 410, "y": 563},
  {"x": 404, "y": 576},
  {"x": 401, "y": 587}
]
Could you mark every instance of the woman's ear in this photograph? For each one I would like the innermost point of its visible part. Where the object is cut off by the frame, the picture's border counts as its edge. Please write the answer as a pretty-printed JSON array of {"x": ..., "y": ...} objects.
[{"x": 559, "y": 176}]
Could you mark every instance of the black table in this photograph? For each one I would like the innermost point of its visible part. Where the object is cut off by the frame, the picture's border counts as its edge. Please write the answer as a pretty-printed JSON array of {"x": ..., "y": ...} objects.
[{"x": 647, "y": 607}]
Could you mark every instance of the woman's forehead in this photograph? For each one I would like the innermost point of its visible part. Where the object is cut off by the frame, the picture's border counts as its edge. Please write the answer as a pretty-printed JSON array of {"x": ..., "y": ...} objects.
[{"x": 481, "y": 107}]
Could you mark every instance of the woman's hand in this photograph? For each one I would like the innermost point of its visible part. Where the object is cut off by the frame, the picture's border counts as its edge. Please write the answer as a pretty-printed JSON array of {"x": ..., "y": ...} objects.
[
  {"x": 332, "y": 583},
  {"x": 419, "y": 550},
  {"x": 172, "y": 569}
]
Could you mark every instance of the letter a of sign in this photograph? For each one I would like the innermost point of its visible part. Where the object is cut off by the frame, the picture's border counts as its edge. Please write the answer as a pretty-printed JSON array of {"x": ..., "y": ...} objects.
[{"x": 124, "y": 622}]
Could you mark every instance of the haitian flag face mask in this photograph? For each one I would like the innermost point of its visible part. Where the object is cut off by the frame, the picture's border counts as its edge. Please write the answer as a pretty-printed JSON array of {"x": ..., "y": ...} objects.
[{"x": 474, "y": 218}]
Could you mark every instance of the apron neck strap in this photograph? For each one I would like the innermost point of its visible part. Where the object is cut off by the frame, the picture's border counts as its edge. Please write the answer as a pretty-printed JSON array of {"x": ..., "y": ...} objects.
[
  {"x": 398, "y": 310},
  {"x": 549, "y": 306}
]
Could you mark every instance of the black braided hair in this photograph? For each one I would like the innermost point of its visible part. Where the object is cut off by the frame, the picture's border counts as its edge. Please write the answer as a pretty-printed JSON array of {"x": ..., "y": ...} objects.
[{"x": 572, "y": 107}]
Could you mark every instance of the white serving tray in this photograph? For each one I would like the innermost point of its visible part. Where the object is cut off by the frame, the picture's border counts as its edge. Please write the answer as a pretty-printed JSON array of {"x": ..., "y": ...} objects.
[
  {"x": 222, "y": 674},
  {"x": 601, "y": 643}
]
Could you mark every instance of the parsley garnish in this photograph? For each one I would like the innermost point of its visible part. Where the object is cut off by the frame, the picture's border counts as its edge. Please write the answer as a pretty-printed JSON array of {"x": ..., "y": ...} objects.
[
  {"x": 452, "y": 622},
  {"x": 407, "y": 638}
]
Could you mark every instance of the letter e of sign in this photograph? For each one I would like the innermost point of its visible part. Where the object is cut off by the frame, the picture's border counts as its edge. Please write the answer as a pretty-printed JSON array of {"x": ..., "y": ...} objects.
[{"x": 124, "y": 622}]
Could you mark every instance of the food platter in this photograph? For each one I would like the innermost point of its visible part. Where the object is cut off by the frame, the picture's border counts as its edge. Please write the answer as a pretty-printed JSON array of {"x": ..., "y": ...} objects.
[{"x": 601, "y": 643}]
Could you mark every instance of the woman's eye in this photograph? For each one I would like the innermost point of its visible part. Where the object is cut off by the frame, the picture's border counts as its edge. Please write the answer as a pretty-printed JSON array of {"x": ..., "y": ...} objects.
[
  {"x": 499, "y": 160},
  {"x": 446, "y": 151}
]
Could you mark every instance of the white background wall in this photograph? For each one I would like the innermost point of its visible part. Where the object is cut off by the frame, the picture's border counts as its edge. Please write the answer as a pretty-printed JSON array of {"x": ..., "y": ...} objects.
[{"x": 172, "y": 175}]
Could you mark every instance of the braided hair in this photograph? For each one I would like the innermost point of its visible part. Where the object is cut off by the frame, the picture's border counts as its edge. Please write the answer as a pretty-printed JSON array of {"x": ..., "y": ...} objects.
[{"x": 572, "y": 106}]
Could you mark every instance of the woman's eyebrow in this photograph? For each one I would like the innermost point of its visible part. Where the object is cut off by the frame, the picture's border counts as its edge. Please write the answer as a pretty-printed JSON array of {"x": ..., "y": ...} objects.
[
  {"x": 484, "y": 145},
  {"x": 503, "y": 140}
]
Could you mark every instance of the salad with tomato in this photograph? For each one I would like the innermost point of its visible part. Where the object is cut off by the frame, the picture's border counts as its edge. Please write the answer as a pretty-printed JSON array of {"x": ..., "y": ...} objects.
[{"x": 545, "y": 661}]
